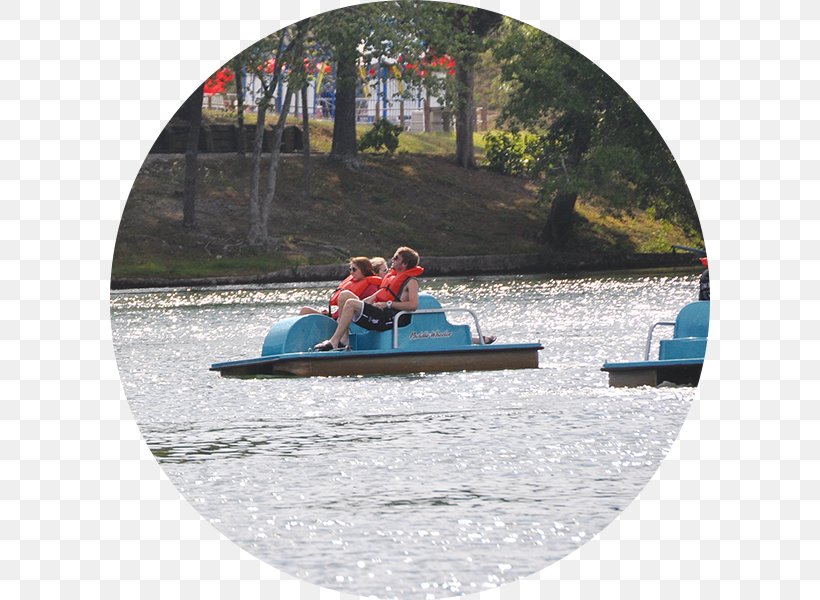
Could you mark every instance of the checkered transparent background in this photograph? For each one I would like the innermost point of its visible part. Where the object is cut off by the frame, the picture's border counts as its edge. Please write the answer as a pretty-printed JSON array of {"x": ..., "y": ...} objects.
[{"x": 86, "y": 512}]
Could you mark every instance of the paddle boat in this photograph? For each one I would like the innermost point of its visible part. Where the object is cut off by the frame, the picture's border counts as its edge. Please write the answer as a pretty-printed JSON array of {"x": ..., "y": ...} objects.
[
  {"x": 420, "y": 341},
  {"x": 680, "y": 358}
]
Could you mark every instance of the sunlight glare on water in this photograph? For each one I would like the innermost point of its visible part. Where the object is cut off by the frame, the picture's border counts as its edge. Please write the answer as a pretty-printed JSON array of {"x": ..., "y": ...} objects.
[{"x": 429, "y": 485}]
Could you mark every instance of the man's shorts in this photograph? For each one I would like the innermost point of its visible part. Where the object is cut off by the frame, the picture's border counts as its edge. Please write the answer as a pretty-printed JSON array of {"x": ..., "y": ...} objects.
[{"x": 375, "y": 318}]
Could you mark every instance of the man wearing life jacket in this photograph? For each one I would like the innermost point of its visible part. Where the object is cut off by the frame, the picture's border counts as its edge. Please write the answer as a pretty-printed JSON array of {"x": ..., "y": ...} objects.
[
  {"x": 703, "y": 292},
  {"x": 399, "y": 291},
  {"x": 361, "y": 283}
]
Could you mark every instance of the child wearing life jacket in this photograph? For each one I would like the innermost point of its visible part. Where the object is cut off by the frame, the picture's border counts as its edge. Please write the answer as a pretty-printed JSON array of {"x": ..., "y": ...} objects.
[
  {"x": 379, "y": 266},
  {"x": 362, "y": 282}
]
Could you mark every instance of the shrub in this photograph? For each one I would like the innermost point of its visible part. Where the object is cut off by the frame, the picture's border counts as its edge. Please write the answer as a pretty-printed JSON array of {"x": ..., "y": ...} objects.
[
  {"x": 382, "y": 134},
  {"x": 518, "y": 154}
]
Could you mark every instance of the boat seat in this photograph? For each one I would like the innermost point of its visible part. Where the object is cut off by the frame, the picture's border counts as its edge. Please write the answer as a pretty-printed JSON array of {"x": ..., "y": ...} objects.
[
  {"x": 428, "y": 301},
  {"x": 691, "y": 332},
  {"x": 297, "y": 334},
  {"x": 420, "y": 331},
  {"x": 693, "y": 320}
]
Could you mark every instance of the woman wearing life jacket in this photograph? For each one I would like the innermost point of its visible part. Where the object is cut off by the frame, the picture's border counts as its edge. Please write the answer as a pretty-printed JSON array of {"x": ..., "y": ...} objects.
[
  {"x": 399, "y": 291},
  {"x": 361, "y": 283}
]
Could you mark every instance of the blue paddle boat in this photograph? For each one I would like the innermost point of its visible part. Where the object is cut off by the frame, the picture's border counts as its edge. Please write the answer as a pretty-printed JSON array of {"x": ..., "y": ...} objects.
[
  {"x": 420, "y": 341},
  {"x": 680, "y": 358}
]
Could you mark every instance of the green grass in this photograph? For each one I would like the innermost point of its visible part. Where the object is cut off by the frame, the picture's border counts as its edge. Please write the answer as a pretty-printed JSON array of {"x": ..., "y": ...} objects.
[
  {"x": 628, "y": 232},
  {"x": 321, "y": 135},
  {"x": 437, "y": 143},
  {"x": 183, "y": 267}
]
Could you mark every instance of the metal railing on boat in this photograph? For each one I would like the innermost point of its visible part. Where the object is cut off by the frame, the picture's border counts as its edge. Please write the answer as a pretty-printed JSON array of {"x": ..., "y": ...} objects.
[{"x": 649, "y": 336}]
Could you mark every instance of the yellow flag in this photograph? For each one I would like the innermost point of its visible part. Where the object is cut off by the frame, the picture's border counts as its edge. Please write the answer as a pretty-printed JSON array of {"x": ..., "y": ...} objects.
[
  {"x": 363, "y": 75},
  {"x": 397, "y": 75},
  {"x": 320, "y": 73}
]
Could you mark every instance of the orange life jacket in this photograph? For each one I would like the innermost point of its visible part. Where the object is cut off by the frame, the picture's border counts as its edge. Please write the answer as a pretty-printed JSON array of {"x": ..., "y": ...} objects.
[
  {"x": 362, "y": 288},
  {"x": 394, "y": 283}
]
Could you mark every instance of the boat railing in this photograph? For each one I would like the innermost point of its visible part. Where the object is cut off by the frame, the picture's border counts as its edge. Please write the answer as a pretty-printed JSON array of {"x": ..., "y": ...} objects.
[
  {"x": 649, "y": 336},
  {"x": 429, "y": 311}
]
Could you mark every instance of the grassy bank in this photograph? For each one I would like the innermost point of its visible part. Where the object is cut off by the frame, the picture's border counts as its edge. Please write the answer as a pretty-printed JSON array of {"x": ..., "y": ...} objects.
[
  {"x": 417, "y": 197},
  {"x": 321, "y": 134}
]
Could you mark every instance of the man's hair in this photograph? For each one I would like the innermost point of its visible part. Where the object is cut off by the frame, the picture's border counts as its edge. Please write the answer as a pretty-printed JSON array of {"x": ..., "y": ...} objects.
[{"x": 409, "y": 257}]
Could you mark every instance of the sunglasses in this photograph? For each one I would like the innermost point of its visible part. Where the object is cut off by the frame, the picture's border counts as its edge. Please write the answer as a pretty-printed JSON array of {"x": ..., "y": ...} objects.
[{"x": 353, "y": 269}]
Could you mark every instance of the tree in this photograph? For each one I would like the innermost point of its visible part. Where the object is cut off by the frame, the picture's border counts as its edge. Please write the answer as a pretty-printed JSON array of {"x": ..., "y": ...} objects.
[
  {"x": 296, "y": 80},
  {"x": 266, "y": 60},
  {"x": 595, "y": 139},
  {"x": 233, "y": 71},
  {"x": 344, "y": 144},
  {"x": 239, "y": 82},
  {"x": 342, "y": 32},
  {"x": 465, "y": 38},
  {"x": 359, "y": 35},
  {"x": 191, "y": 110},
  {"x": 307, "y": 170}
]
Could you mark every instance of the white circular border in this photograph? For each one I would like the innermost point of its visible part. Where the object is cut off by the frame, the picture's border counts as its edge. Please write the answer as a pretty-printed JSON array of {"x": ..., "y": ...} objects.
[{"x": 86, "y": 510}]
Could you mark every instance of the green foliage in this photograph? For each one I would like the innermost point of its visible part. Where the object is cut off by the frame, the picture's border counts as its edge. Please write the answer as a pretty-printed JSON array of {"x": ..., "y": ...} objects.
[
  {"x": 520, "y": 153},
  {"x": 382, "y": 134},
  {"x": 489, "y": 90},
  {"x": 597, "y": 140},
  {"x": 462, "y": 32}
]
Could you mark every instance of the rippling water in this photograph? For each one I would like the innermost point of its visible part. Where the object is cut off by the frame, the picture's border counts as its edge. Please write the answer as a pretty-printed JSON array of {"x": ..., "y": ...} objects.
[{"x": 425, "y": 485}]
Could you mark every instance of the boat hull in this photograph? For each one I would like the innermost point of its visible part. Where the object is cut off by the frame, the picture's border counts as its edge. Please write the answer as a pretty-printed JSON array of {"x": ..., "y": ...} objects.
[
  {"x": 654, "y": 373},
  {"x": 340, "y": 363}
]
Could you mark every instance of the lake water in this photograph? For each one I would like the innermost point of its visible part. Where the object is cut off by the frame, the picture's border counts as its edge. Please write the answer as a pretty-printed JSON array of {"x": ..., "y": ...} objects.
[{"x": 421, "y": 486}]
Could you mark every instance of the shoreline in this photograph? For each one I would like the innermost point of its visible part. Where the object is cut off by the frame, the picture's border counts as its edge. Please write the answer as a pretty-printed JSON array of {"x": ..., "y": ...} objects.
[{"x": 437, "y": 266}]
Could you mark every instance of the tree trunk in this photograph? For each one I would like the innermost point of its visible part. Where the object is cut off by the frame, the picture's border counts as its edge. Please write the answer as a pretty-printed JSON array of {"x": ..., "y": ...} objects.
[
  {"x": 558, "y": 229},
  {"x": 279, "y": 128},
  {"x": 344, "y": 144},
  {"x": 257, "y": 234},
  {"x": 275, "y": 155},
  {"x": 260, "y": 210},
  {"x": 465, "y": 113},
  {"x": 306, "y": 166},
  {"x": 194, "y": 111},
  {"x": 241, "y": 145},
  {"x": 560, "y": 226},
  {"x": 427, "y": 125}
]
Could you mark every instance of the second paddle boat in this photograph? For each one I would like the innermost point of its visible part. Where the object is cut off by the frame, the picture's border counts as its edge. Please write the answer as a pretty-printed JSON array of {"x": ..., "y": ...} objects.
[{"x": 680, "y": 358}]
